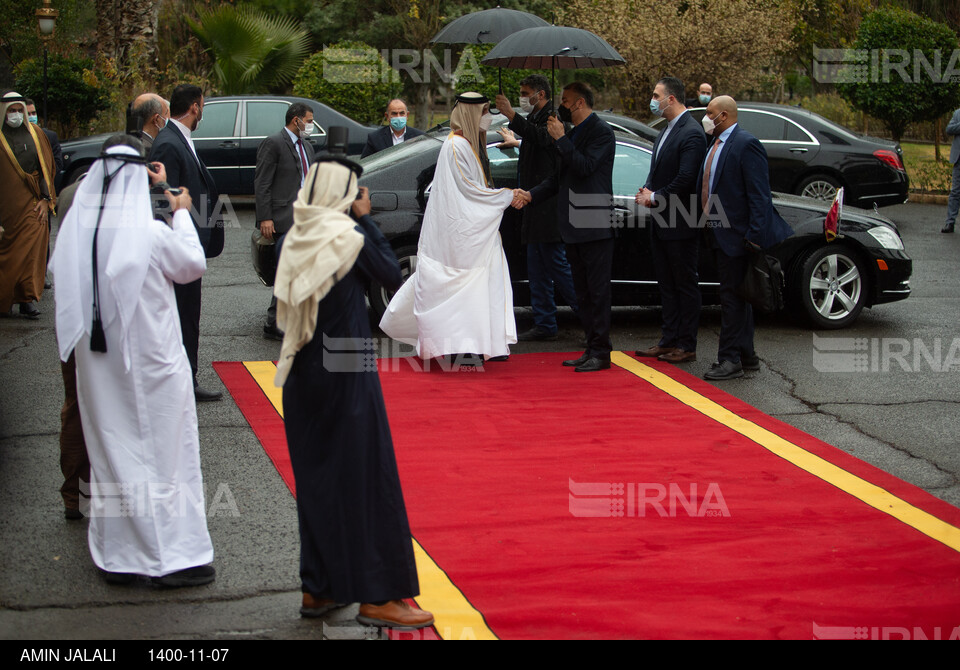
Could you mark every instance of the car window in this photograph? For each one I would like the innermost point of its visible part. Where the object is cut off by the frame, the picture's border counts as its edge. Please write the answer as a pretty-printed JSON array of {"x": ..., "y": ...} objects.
[
  {"x": 631, "y": 165},
  {"x": 762, "y": 126},
  {"x": 406, "y": 150},
  {"x": 503, "y": 164},
  {"x": 795, "y": 133},
  {"x": 219, "y": 120},
  {"x": 265, "y": 117}
]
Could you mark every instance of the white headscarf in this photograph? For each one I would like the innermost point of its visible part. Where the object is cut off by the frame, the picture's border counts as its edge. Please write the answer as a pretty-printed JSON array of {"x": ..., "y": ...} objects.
[
  {"x": 123, "y": 252},
  {"x": 319, "y": 250}
]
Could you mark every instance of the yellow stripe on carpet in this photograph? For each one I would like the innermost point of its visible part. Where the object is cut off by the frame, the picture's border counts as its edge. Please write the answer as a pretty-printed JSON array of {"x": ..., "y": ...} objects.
[
  {"x": 454, "y": 617},
  {"x": 859, "y": 488}
]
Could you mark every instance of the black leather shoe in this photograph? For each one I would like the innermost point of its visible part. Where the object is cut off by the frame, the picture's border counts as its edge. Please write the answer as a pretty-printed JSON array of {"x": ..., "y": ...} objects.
[
  {"x": 118, "y": 578},
  {"x": 197, "y": 576},
  {"x": 536, "y": 334},
  {"x": 574, "y": 362},
  {"x": 271, "y": 332},
  {"x": 593, "y": 364},
  {"x": 750, "y": 363},
  {"x": 947, "y": 228},
  {"x": 72, "y": 514},
  {"x": 499, "y": 359},
  {"x": 29, "y": 310},
  {"x": 724, "y": 370},
  {"x": 203, "y": 395}
]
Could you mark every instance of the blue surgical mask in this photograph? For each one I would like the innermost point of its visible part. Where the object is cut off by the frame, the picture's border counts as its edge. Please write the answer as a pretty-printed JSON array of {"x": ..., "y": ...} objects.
[
  {"x": 704, "y": 98},
  {"x": 33, "y": 118},
  {"x": 655, "y": 107},
  {"x": 398, "y": 123}
]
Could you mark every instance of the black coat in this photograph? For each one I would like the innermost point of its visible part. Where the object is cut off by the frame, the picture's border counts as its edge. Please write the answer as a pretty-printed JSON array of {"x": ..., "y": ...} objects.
[
  {"x": 673, "y": 178},
  {"x": 185, "y": 169},
  {"x": 380, "y": 139},
  {"x": 584, "y": 183},
  {"x": 537, "y": 163}
]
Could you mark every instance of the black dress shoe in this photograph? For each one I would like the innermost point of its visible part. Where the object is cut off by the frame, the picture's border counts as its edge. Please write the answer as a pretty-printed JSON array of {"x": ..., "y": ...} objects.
[
  {"x": 947, "y": 228},
  {"x": 574, "y": 362},
  {"x": 593, "y": 364},
  {"x": 536, "y": 334},
  {"x": 750, "y": 363},
  {"x": 72, "y": 514},
  {"x": 723, "y": 371},
  {"x": 197, "y": 576},
  {"x": 499, "y": 359},
  {"x": 29, "y": 310},
  {"x": 203, "y": 395},
  {"x": 118, "y": 578},
  {"x": 271, "y": 332}
]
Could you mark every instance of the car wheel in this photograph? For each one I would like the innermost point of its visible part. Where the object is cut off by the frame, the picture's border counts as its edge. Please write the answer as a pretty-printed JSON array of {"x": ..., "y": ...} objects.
[
  {"x": 819, "y": 187},
  {"x": 76, "y": 174},
  {"x": 380, "y": 295},
  {"x": 830, "y": 287}
]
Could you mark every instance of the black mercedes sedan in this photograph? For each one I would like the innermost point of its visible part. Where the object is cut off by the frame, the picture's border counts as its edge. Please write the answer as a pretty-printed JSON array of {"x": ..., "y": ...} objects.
[
  {"x": 228, "y": 137},
  {"x": 812, "y": 156},
  {"x": 827, "y": 284}
]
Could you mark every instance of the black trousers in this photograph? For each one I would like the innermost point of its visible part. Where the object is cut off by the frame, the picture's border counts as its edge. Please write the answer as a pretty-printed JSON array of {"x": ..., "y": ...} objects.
[
  {"x": 675, "y": 262},
  {"x": 591, "y": 264},
  {"x": 736, "y": 314},
  {"x": 188, "y": 305}
]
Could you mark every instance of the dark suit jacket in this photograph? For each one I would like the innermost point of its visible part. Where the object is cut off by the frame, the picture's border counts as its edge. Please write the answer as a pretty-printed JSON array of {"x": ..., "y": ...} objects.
[
  {"x": 276, "y": 181},
  {"x": 742, "y": 185},
  {"x": 538, "y": 161},
  {"x": 584, "y": 183},
  {"x": 673, "y": 179},
  {"x": 380, "y": 139},
  {"x": 184, "y": 169}
]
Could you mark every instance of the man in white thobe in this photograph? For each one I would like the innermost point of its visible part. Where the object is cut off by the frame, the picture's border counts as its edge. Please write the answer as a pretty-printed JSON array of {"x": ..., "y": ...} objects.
[
  {"x": 459, "y": 300},
  {"x": 115, "y": 266}
]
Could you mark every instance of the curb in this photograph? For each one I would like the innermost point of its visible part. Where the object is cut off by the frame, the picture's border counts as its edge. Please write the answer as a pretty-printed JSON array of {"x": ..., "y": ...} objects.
[{"x": 928, "y": 198}]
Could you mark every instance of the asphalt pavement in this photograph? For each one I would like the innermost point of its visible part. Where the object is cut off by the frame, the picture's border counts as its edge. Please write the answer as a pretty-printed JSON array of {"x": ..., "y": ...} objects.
[{"x": 897, "y": 410}]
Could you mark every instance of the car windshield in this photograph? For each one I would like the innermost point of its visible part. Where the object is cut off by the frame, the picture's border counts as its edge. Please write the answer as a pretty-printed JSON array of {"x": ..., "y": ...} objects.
[{"x": 401, "y": 152}]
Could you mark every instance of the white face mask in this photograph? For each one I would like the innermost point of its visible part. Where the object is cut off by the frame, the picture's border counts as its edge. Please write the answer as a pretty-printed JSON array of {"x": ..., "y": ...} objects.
[
  {"x": 14, "y": 119},
  {"x": 708, "y": 125},
  {"x": 485, "y": 122},
  {"x": 307, "y": 129}
]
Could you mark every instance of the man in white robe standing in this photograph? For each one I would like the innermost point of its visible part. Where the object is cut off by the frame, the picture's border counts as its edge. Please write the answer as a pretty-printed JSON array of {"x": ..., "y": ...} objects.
[
  {"x": 115, "y": 266},
  {"x": 459, "y": 300}
]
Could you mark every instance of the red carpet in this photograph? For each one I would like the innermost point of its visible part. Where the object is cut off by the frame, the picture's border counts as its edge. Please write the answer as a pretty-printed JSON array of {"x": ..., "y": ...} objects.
[{"x": 568, "y": 505}]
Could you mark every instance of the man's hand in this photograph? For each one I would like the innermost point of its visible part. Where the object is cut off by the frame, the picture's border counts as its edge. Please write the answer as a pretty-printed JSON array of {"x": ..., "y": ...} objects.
[
  {"x": 267, "y": 229},
  {"x": 521, "y": 198},
  {"x": 42, "y": 211},
  {"x": 158, "y": 176},
  {"x": 509, "y": 139},
  {"x": 182, "y": 201},
  {"x": 505, "y": 108},
  {"x": 555, "y": 127},
  {"x": 361, "y": 206},
  {"x": 645, "y": 197}
]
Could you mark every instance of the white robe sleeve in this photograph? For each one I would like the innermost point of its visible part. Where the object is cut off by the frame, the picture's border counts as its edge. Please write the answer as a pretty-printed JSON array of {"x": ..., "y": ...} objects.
[{"x": 177, "y": 250}]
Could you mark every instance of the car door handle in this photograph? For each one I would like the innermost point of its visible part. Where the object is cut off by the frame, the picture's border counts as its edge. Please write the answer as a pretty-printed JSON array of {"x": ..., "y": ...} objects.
[
  {"x": 798, "y": 150},
  {"x": 229, "y": 144}
]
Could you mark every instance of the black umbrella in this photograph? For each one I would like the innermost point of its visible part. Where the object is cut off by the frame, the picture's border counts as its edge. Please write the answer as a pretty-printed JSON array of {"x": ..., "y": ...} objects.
[
  {"x": 553, "y": 47},
  {"x": 487, "y": 26}
]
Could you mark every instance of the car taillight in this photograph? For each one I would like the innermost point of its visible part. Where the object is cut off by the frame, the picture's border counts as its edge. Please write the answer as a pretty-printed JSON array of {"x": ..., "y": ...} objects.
[{"x": 890, "y": 158}]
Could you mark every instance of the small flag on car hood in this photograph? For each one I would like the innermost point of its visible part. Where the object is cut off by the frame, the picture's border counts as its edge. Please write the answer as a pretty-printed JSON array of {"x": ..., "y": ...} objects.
[{"x": 832, "y": 222}]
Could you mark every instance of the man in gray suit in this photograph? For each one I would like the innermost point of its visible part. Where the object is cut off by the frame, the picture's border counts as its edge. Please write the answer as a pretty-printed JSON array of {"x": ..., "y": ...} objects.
[
  {"x": 953, "y": 203},
  {"x": 282, "y": 163}
]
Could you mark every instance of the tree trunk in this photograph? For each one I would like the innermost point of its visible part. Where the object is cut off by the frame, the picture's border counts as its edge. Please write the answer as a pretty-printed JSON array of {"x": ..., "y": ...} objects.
[{"x": 127, "y": 32}]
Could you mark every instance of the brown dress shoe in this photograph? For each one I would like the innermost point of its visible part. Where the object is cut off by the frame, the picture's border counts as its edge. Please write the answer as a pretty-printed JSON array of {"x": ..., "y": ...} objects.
[
  {"x": 679, "y": 356},
  {"x": 396, "y": 613},
  {"x": 655, "y": 351},
  {"x": 313, "y": 607}
]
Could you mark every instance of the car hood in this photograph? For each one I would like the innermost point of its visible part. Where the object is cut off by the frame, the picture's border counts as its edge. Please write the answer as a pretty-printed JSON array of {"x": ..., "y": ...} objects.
[
  {"x": 820, "y": 207},
  {"x": 84, "y": 141}
]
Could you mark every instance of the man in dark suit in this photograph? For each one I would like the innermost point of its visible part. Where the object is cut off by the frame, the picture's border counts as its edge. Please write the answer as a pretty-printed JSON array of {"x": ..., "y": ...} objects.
[
  {"x": 174, "y": 148},
  {"x": 584, "y": 189},
  {"x": 394, "y": 132},
  {"x": 153, "y": 113},
  {"x": 282, "y": 163},
  {"x": 547, "y": 268},
  {"x": 670, "y": 193},
  {"x": 734, "y": 186}
]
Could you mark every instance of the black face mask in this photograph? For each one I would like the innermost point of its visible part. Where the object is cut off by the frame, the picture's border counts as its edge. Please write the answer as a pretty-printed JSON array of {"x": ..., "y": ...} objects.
[{"x": 565, "y": 114}]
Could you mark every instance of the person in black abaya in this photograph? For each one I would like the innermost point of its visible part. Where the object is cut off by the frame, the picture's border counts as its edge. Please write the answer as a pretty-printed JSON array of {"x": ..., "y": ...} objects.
[{"x": 355, "y": 542}]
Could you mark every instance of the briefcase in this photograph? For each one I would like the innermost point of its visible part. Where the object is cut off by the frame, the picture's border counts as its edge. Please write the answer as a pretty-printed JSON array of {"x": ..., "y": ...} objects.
[
  {"x": 763, "y": 282},
  {"x": 264, "y": 254}
]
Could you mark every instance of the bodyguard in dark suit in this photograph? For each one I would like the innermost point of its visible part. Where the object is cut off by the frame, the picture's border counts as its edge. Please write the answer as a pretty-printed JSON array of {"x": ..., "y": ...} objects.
[
  {"x": 174, "y": 148},
  {"x": 584, "y": 189},
  {"x": 670, "y": 192},
  {"x": 547, "y": 267},
  {"x": 734, "y": 187},
  {"x": 395, "y": 131},
  {"x": 282, "y": 163}
]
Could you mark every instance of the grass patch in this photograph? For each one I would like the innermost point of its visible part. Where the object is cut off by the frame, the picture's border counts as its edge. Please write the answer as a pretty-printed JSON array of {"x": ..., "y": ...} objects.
[{"x": 925, "y": 174}]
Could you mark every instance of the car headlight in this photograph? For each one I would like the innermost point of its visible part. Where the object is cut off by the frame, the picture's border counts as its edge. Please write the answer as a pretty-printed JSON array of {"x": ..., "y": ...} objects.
[{"x": 887, "y": 238}]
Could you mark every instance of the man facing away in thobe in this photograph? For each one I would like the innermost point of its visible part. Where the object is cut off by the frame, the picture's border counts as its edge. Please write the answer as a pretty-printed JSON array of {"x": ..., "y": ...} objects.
[{"x": 115, "y": 267}]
